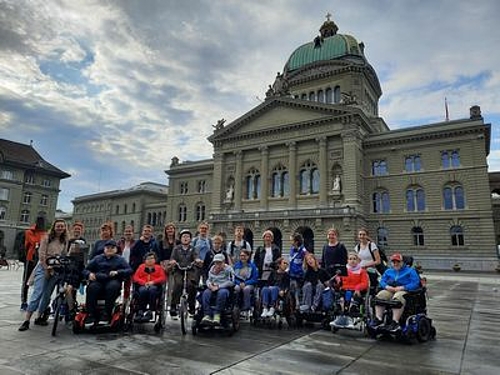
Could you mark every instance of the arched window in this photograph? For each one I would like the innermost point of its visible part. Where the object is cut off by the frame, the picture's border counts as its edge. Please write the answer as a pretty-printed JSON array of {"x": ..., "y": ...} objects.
[
  {"x": 153, "y": 222},
  {"x": 418, "y": 236},
  {"x": 133, "y": 207},
  {"x": 381, "y": 202},
  {"x": 3, "y": 212},
  {"x": 253, "y": 184},
  {"x": 200, "y": 212},
  {"x": 312, "y": 96},
  {"x": 123, "y": 226},
  {"x": 413, "y": 163},
  {"x": 280, "y": 182},
  {"x": 450, "y": 159},
  {"x": 382, "y": 237},
  {"x": 457, "y": 235},
  {"x": 125, "y": 208},
  {"x": 182, "y": 213},
  {"x": 303, "y": 96},
  {"x": 415, "y": 200},
  {"x": 453, "y": 197},
  {"x": 329, "y": 96},
  {"x": 150, "y": 219},
  {"x": 309, "y": 178},
  {"x": 336, "y": 94},
  {"x": 25, "y": 216},
  {"x": 321, "y": 96},
  {"x": 379, "y": 168},
  {"x": 117, "y": 209}
]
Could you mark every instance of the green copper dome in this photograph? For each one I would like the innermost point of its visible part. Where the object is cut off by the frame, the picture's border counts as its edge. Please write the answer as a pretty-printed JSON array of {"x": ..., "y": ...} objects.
[{"x": 329, "y": 48}]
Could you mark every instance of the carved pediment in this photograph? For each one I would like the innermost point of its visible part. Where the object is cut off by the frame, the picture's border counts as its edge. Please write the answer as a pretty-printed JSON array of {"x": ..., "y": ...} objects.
[{"x": 276, "y": 115}]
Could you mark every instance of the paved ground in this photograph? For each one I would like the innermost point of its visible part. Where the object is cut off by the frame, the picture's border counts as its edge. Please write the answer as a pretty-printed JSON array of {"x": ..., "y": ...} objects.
[{"x": 465, "y": 309}]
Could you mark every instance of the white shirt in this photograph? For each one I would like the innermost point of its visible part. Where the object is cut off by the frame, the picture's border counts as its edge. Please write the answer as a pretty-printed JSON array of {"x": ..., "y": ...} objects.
[{"x": 364, "y": 253}]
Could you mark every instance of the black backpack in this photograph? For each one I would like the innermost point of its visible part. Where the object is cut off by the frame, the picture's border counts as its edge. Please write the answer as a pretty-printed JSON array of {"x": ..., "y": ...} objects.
[{"x": 382, "y": 267}]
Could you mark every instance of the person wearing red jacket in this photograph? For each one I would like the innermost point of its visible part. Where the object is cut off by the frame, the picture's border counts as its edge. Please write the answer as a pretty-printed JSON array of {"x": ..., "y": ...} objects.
[
  {"x": 352, "y": 287},
  {"x": 149, "y": 279},
  {"x": 32, "y": 238}
]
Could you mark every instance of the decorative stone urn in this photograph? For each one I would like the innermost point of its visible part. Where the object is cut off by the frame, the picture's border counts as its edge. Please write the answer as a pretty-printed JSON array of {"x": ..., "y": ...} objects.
[{"x": 456, "y": 267}]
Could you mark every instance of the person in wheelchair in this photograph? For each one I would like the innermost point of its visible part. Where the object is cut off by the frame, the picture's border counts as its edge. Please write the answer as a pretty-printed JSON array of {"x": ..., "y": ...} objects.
[
  {"x": 105, "y": 273},
  {"x": 395, "y": 283},
  {"x": 149, "y": 280},
  {"x": 315, "y": 279},
  {"x": 277, "y": 286},
  {"x": 352, "y": 289},
  {"x": 219, "y": 283},
  {"x": 246, "y": 277}
]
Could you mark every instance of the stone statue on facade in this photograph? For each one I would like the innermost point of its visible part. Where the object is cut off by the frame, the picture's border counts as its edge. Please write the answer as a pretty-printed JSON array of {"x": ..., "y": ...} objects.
[
  {"x": 336, "y": 184},
  {"x": 220, "y": 124},
  {"x": 230, "y": 193}
]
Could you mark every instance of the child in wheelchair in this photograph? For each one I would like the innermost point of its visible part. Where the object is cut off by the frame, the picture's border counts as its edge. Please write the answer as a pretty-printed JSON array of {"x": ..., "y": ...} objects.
[
  {"x": 277, "y": 287},
  {"x": 352, "y": 290},
  {"x": 149, "y": 281}
]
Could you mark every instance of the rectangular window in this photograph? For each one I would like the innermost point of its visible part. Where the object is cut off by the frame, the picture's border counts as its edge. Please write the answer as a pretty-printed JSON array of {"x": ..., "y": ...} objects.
[
  {"x": 29, "y": 178},
  {"x": 4, "y": 194},
  {"x": 46, "y": 183},
  {"x": 379, "y": 168},
  {"x": 413, "y": 163},
  {"x": 450, "y": 159},
  {"x": 202, "y": 186},
  {"x": 183, "y": 188},
  {"x": 7, "y": 175},
  {"x": 44, "y": 201}
]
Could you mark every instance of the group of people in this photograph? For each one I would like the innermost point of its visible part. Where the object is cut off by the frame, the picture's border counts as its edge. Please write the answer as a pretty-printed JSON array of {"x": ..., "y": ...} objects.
[{"x": 223, "y": 267}]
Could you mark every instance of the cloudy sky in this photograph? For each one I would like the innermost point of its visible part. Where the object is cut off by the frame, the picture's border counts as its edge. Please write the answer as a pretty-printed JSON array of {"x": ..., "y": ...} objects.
[{"x": 109, "y": 91}]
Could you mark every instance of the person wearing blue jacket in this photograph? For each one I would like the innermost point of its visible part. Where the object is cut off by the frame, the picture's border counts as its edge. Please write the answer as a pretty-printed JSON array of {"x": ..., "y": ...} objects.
[
  {"x": 105, "y": 272},
  {"x": 395, "y": 283},
  {"x": 246, "y": 276}
]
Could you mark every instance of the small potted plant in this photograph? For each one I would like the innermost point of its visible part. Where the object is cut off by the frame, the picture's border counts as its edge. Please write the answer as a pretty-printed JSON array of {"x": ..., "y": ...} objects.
[{"x": 456, "y": 267}]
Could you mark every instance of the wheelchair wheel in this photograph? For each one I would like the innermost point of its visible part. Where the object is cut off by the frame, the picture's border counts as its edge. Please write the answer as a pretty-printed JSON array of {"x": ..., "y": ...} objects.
[
  {"x": 57, "y": 315},
  {"x": 183, "y": 313},
  {"x": 157, "y": 327},
  {"x": 424, "y": 330}
]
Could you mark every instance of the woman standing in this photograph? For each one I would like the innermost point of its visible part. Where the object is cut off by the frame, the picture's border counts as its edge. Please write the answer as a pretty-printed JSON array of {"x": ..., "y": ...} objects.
[
  {"x": 369, "y": 254},
  {"x": 54, "y": 244},
  {"x": 168, "y": 243},
  {"x": 334, "y": 253},
  {"x": 266, "y": 256}
]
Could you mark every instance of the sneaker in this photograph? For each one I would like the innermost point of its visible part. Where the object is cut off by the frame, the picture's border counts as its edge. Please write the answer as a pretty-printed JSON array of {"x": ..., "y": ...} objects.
[
  {"x": 271, "y": 312},
  {"x": 339, "y": 322},
  {"x": 216, "y": 319},
  {"x": 393, "y": 327},
  {"x": 40, "y": 321},
  {"x": 25, "y": 326},
  {"x": 24, "y": 306},
  {"x": 265, "y": 313},
  {"x": 304, "y": 308},
  {"x": 376, "y": 323},
  {"x": 349, "y": 322},
  {"x": 148, "y": 315},
  {"x": 206, "y": 320}
]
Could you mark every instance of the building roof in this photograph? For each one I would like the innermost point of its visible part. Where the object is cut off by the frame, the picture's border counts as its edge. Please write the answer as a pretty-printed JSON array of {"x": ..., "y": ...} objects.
[
  {"x": 333, "y": 47},
  {"x": 25, "y": 156},
  {"x": 151, "y": 188}
]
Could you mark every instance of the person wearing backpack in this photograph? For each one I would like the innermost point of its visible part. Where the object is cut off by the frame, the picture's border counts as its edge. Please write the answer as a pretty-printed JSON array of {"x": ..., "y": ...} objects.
[
  {"x": 238, "y": 244},
  {"x": 370, "y": 256}
]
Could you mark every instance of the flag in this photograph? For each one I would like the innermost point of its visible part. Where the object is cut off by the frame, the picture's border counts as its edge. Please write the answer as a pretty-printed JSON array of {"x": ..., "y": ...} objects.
[{"x": 447, "y": 112}]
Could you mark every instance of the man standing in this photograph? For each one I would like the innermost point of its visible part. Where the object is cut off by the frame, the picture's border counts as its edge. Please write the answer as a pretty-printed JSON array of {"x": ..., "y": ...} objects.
[
  {"x": 143, "y": 246},
  {"x": 32, "y": 238}
]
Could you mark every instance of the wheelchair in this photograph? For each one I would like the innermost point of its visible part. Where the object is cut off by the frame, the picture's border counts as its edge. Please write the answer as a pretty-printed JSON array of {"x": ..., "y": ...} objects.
[
  {"x": 356, "y": 311},
  {"x": 229, "y": 317},
  {"x": 284, "y": 311},
  {"x": 414, "y": 322},
  {"x": 114, "y": 323},
  {"x": 157, "y": 312}
]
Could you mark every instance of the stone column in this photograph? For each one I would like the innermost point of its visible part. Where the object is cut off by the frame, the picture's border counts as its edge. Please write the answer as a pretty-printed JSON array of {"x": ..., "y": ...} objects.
[
  {"x": 323, "y": 171},
  {"x": 292, "y": 161},
  {"x": 218, "y": 183},
  {"x": 351, "y": 184},
  {"x": 238, "y": 180},
  {"x": 264, "y": 177}
]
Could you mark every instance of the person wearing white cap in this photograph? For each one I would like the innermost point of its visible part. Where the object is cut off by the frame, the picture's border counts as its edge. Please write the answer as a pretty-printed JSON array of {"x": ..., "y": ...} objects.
[{"x": 220, "y": 280}]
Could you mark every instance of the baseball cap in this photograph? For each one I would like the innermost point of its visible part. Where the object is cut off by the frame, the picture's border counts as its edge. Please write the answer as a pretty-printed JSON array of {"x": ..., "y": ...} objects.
[
  {"x": 397, "y": 257},
  {"x": 110, "y": 243},
  {"x": 219, "y": 258}
]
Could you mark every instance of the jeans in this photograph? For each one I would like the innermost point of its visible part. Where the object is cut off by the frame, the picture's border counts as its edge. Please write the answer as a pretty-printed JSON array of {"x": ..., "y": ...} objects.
[
  {"x": 247, "y": 296},
  {"x": 295, "y": 285},
  {"x": 270, "y": 295},
  {"x": 42, "y": 290},
  {"x": 221, "y": 298},
  {"x": 29, "y": 266},
  {"x": 147, "y": 296},
  {"x": 309, "y": 291}
]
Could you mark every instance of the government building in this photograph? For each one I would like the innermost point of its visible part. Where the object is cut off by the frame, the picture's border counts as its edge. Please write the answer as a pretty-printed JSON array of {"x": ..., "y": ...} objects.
[{"x": 316, "y": 154}]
